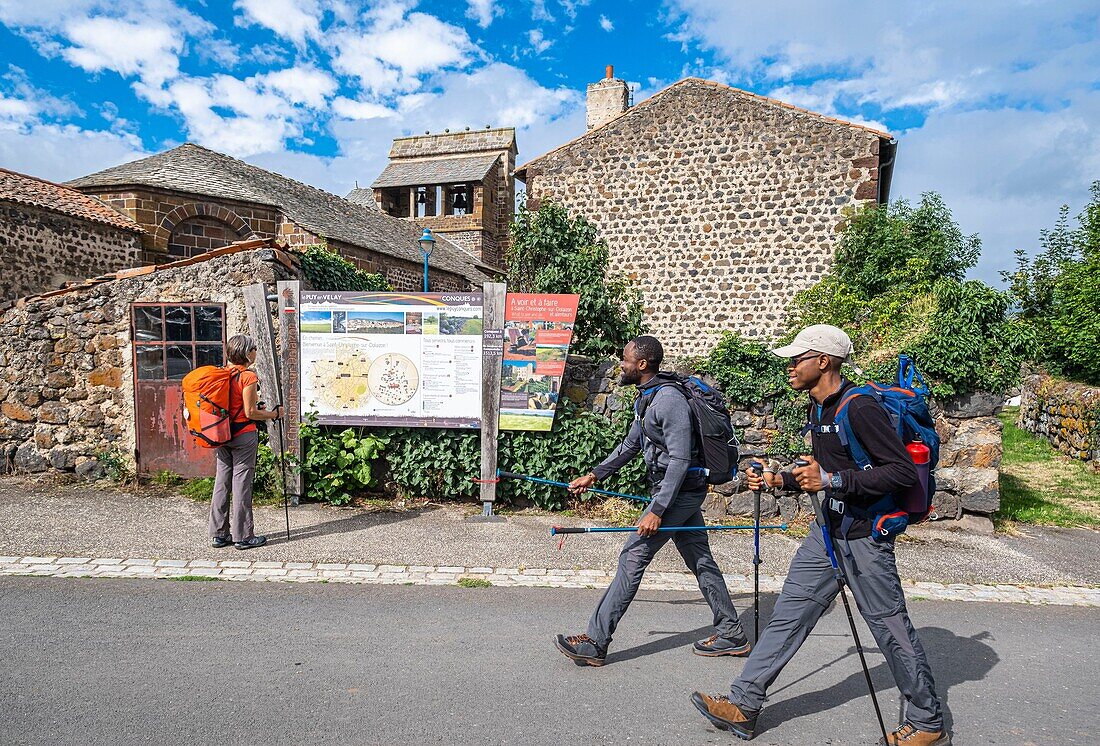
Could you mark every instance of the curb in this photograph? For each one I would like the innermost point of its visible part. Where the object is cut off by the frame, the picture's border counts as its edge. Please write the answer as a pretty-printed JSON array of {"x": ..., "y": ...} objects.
[{"x": 362, "y": 573}]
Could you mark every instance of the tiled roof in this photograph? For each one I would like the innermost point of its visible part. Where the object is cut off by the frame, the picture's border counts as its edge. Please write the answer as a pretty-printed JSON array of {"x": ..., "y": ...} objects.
[
  {"x": 657, "y": 97},
  {"x": 281, "y": 256},
  {"x": 196, "y": 170},
  {"x": 436, "y": 171},
  {"x": 28, "y": 190},
  {"x": 452, "y": 143},
  {"x": 361, "y": 196}
]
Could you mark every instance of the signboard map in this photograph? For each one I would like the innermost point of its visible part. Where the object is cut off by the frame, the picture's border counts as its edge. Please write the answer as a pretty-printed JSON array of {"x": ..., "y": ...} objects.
[
  {"x": 537, "y": 333},
  {"x": 392, "y": 359}
]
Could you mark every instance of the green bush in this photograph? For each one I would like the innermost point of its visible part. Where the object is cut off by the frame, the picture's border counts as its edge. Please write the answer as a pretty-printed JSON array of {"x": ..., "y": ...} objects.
[
  {"x": 327, "y": 270},
  {"x": 553, "y": 253},
  {"x": 746, "y": 372},
  {"x": 338, "y": 465}
]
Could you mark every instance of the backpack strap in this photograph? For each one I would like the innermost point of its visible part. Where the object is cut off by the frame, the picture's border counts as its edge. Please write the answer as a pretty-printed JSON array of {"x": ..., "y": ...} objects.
[{"x": 641, "y": 404}]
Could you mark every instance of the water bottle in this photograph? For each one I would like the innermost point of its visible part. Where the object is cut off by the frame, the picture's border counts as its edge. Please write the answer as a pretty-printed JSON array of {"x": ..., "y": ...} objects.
[{"x": 916, "y": 497}]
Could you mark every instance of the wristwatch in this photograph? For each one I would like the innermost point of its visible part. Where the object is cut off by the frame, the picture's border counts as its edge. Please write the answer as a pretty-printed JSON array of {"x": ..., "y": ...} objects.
[{"x": 836, "y": 482}]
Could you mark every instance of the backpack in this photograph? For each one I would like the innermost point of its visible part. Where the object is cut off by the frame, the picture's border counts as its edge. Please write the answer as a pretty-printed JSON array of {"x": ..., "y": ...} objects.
[
  {"x": 206, "y": 392},
  {"x": 906, "y": 404},
  {"x": 715, "y": 441}
]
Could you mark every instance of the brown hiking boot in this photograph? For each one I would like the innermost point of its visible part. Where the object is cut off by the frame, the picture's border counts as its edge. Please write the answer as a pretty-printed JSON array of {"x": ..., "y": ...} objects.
[
  {"x": 908, "y": 735},
  {"x": 582, "y": 649},
  {"x": 724, "y": 714}
]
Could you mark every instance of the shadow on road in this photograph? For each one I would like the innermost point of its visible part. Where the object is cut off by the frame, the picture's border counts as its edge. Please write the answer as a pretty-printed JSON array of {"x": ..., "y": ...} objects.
[
  {"x": 357, "y": 522},
  {"x": 674, "y": 640},
  {"x": 954, "y": 660}
]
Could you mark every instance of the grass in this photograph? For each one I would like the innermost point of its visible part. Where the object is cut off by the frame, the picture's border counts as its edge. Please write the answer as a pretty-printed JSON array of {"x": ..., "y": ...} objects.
[
  {"x": 1040, "y": 486},
  {"x": 474, "y": 583},
  {"x": 193, "y": 578}
]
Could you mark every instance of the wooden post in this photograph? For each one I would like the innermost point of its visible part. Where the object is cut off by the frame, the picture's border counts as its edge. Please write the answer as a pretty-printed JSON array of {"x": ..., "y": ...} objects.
[
  {"x": 492, "y": 353},
  {"x": 290, "y": 357},
  {"x": 259, "y": 328}
]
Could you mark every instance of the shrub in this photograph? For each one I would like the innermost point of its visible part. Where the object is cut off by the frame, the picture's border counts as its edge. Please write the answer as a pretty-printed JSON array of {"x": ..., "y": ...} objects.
[
  {"x": 554, "y": 253},
  {"x": 327, "y": 270},
  {"x": 338, "y": 464}
]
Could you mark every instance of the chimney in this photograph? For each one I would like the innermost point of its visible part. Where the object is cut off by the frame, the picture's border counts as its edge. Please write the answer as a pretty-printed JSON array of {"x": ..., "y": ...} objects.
[{"x": 607, "y": 99}]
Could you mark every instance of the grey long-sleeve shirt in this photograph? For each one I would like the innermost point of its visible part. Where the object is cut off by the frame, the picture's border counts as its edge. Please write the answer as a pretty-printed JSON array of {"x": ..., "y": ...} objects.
[{"x": 665, "y": 442}]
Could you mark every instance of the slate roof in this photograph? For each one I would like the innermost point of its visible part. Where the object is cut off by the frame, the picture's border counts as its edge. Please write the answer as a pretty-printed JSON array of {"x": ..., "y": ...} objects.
[
  {"x": 658, "y": 98},
  {"x": 196, "y": 170},
  {"x": 35, "y": 192},
  {"x": 361, "y": 196},
  {"x": 401, "y": 173}
]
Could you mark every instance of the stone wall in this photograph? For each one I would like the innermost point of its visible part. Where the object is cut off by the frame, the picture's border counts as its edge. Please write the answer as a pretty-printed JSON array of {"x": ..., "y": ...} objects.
[
  {"x": 1066, "y": 414},
  {"x": 66, "y": 373},
  {"x": 719, "y": 204},
  {"x": 970, "y": 448},
  {"x": 43, "y": 249}
]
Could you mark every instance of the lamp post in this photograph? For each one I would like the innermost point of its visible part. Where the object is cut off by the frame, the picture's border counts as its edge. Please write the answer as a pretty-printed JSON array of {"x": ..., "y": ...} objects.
[{"x": 427, "y": 243}]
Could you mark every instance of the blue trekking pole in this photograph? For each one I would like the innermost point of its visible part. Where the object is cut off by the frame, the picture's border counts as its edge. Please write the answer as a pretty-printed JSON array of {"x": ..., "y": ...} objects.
[
  {"x": 826, "y": 537},
  {"x": 555, "y": 530},
  {"x": 565, "y": 486},
  {"x": 757, "y": 467}
]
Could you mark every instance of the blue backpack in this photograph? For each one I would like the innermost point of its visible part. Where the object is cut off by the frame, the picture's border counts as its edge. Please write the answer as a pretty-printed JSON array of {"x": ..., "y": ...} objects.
[{"x": 906, "y": 404}]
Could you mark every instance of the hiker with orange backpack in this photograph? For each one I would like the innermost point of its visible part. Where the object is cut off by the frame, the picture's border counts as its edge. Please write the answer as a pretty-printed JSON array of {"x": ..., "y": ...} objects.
[
  {"x": 221, "y": 411},
  {"x": 867, "y": 476}
]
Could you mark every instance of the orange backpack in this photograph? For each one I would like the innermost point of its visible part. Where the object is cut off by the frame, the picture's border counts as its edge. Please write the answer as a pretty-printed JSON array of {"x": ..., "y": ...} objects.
[{"x": 206, "y": 412}]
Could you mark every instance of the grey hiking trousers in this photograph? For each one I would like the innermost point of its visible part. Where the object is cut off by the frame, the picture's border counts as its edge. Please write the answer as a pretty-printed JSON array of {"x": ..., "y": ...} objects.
[
  {"x": 694, "y": 547},
  {"x": 236, "y": 468},
  {"x": 808, "y": 591}
]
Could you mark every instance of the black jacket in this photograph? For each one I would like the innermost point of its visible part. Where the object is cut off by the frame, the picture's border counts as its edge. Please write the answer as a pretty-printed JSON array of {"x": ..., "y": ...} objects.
[{"x": 892, "y": 468}]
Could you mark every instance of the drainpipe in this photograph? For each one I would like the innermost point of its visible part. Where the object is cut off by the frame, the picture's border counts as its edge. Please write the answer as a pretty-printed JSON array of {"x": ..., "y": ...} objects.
[{"x": 888, "y": 150}]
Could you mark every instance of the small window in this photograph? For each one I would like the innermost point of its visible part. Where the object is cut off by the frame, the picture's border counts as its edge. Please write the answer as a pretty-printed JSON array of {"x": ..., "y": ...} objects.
[{"x": 172, "y": 339}]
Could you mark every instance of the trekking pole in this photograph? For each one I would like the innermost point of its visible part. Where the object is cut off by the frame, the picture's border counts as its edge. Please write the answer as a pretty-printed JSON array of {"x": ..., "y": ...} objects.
[
  {"x": 282, "y": 469},
  {"x": 757, "y": 467},
  {"x": 826, "y": 537},
  {"x": 564, "y": 485},
  {"x": 555, "y": 530}
]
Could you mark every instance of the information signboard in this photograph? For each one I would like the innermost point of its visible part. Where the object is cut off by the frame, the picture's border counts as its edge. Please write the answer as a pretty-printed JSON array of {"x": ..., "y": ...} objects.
[{"x": 392, "y": 359}]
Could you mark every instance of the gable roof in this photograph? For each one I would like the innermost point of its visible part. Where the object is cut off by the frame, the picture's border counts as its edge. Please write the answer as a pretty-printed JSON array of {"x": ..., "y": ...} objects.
[
  {"x": 657, "y": 98},
  {"x": 452, "y": 143},
  {"x": 409, "y": 172},
  {"x": 35, "y": 192},
  {"x": 196, "y": 170},
  {"x": 361, "y": 196}
]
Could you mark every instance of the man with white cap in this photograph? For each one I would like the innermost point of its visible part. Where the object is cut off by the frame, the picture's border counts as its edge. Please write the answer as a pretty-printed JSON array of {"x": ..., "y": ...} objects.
[{"x": 814, "y": 361}]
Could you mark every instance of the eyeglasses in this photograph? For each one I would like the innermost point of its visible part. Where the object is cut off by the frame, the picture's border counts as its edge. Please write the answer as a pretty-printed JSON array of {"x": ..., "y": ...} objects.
[{"x": 794, "y": 361}]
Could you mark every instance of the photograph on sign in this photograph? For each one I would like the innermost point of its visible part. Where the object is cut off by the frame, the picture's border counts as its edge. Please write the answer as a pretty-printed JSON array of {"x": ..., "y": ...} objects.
[
  {"x": 537, "y": 332},
  {"x": 392, "y": 359}
]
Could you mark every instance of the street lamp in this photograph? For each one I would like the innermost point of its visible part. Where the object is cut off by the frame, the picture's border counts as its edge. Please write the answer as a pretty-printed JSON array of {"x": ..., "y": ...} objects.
[{"x": 427, "y": 243}]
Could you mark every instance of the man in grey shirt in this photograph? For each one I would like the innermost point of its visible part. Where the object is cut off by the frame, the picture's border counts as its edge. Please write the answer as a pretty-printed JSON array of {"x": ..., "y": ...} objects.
[{"x": 664, "y": 434}]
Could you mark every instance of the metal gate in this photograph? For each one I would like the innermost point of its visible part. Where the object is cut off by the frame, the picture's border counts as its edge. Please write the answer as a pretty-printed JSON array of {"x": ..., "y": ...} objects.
[{"x": 170, "y": 340}]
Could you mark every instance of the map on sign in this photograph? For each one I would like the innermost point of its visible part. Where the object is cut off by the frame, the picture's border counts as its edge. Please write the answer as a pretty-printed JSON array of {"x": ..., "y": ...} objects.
[{"x": 392, "y": 359}]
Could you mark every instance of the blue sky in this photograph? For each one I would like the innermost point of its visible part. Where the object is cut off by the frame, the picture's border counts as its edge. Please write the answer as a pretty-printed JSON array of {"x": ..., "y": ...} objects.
[{"x": 996, "y": 104}]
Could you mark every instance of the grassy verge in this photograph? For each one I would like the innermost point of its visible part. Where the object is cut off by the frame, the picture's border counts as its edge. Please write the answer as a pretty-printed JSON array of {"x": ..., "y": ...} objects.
[{"x": 1040, "y": 486}]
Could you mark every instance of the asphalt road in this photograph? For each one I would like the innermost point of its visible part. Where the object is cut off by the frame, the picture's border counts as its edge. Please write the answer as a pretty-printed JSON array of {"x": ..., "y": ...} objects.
[{"x": 89, "y": 661}]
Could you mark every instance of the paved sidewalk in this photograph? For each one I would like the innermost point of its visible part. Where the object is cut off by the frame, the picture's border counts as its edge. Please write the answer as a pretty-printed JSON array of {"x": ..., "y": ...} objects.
[{"x": 101, "y": 530}]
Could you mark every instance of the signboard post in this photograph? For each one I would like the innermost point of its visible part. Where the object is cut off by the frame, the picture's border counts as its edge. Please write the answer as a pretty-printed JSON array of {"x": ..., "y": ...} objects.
[
  {"x": 493, "y": 305},
  {"x": 291, "y": 380}
]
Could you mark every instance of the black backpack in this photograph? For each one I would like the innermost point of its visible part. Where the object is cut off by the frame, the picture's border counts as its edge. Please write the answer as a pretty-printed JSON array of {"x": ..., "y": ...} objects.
[{"x": 715, "y": 441}]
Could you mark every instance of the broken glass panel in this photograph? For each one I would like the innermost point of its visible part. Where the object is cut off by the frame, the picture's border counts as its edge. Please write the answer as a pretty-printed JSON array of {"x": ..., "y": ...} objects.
[
  {"x": 147, "y": 324},
  {"x": 177, "y": 323},
  {"x": 208, "y": 323},
  {"x": 208, "y": 355},
  {"x": 178, "y": 359},
  {"x": 150, "y": 362}
]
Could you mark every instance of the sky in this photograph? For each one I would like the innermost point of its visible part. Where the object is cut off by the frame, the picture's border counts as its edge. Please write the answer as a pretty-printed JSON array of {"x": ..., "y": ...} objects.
[{"x": 995, "y": 103}]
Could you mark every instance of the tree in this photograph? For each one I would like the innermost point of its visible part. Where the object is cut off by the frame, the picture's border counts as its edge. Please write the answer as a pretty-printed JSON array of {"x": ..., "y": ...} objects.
[{"x": 554, "y": 253}]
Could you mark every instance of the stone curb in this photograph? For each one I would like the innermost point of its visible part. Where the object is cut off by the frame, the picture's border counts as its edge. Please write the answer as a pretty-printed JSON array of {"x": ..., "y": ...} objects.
[{"x": 337, "y": 572}]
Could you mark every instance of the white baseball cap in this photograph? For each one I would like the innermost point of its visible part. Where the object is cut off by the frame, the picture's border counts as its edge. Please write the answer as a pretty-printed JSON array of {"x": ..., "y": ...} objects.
[{"x": 824, "y": 338}]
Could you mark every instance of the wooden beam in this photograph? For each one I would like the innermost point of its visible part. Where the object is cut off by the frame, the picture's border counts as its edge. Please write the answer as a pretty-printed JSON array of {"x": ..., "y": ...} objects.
[
  {"x": 492, "y": 353},
  {"x": 289, "y": 359},
  {"x": 260, "y": 329}
]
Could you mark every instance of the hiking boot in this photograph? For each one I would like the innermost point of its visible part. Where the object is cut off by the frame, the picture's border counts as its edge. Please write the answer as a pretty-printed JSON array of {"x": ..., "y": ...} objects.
[
  {"x": 582, "y": 649},
  {"x": 909, "y": 735},
  {"x": 255, "y": 541},
  {"x": 725, "y": 715},
  {"x": 714, "y": 646},
  {"x": 220, "y": 542}
]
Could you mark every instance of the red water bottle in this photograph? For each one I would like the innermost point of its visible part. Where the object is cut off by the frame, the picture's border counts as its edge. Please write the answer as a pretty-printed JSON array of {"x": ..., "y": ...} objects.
[{"x": 917, "y": 497}]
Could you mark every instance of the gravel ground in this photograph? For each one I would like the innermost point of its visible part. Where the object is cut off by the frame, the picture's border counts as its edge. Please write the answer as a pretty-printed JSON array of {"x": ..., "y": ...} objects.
[{"x": 46, "y": 518}]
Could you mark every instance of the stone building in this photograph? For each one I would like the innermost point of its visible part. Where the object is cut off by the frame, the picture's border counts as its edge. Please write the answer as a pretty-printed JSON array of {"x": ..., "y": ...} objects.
[
  {"x": 720, "y": 204},
  {"x": 459, "y": 184},
  {"x": 91, "y": 372},
  {"x": 51, "y": 234},
  {"x": 191, "y": 199}
]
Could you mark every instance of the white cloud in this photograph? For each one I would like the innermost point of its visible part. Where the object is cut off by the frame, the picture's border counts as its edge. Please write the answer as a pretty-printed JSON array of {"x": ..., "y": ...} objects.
[
  {"x": 301, "y": 85},
  {"x": 483, "y": 11},
  {"x": 538, "y": 43},
  {"x": 350, "y": 109},
  {"x": 297, "y": 20},
  {"x": 150, "y": 50},
  {"x": 606, "y": 24}
]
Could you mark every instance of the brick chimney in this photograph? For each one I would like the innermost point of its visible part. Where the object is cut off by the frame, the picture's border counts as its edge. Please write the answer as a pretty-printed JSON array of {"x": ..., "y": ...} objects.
[{"x": 607, "y": 99}]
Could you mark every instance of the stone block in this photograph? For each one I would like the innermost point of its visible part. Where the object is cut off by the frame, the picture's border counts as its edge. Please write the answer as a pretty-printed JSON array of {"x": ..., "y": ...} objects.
[
  {"x": 946, "y": 506},
  {"x": 741, "y": 418},
  {"x": 977, "y": 404},
  {"x": 89, "y": 467},
  {"x": 576, "y": 394},
  {"x": 108, "y": 375},
  {"x": 978, "y": 489},
  {"x": 63, "y": 459},
  {"x": 744, "y": 503},
  {"x": 53, "y": 413},
  {"x": 714, "y": 506},
  {"x": 17, "y": 412},
  {"x": 28, "y": 459}
]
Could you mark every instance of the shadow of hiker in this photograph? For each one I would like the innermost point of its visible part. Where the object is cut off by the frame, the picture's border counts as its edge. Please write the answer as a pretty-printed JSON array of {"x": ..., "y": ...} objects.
[
  {"x": 675, "y": 640},
  {"x": 741, "y": 601},
  {"x": 954, "y": 660},
  {"x": 359, "y": 521}
]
